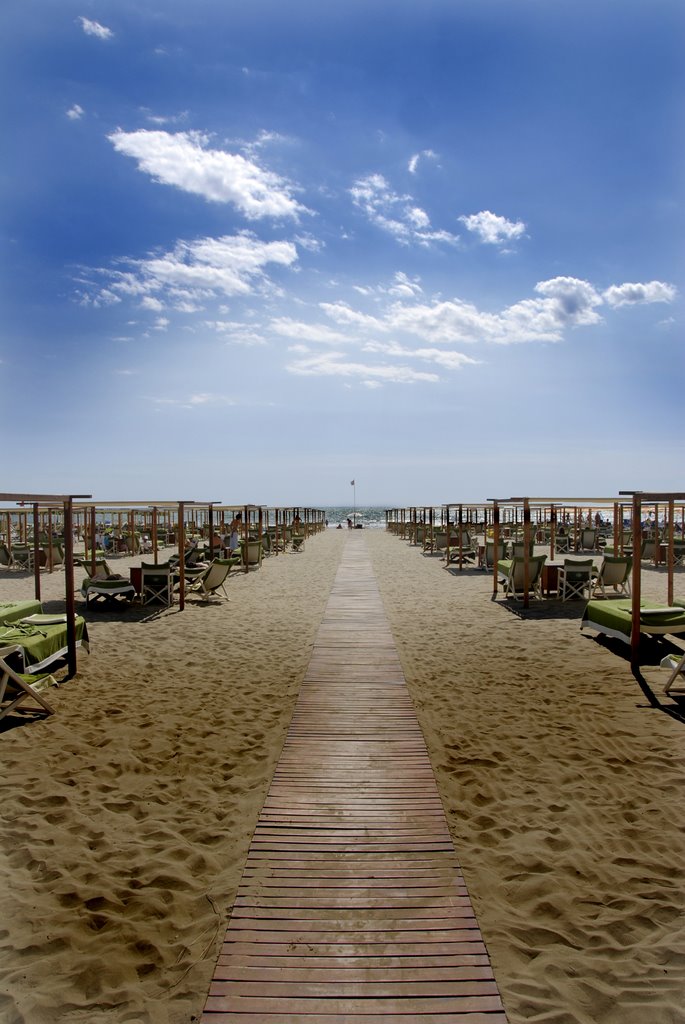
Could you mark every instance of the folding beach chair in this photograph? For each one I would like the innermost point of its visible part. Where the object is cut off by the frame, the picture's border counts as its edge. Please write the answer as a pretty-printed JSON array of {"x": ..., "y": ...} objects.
[
  {"x": 576, "y": 576},
  {"x": 514, "y": 580},
  {"x": 615, "y": 572},
  {"x": 676, "y": 680},
  {"x": 15, "y": 687},
  {"x": 213, "y": 578},
  {"x": 155, "y": 583}
]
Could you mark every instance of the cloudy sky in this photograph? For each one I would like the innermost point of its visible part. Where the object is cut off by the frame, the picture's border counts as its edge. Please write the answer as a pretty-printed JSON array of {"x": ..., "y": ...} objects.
[{"x": 253, "y": 251}]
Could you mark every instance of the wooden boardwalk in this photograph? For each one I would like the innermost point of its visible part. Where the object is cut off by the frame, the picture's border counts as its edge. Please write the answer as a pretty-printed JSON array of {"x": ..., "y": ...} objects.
[{"x": 352, "y": 907}]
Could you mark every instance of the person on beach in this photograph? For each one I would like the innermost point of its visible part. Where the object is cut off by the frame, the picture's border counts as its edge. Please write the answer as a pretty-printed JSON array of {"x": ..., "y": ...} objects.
[{"x": 234, "y": 528}]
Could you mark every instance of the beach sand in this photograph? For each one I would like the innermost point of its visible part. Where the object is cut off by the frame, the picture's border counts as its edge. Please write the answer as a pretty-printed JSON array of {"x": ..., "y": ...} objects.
[{"x": 126, "y": 816}]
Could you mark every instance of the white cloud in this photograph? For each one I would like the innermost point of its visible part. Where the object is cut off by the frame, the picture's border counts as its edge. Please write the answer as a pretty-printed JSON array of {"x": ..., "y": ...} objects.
[
  {"x": 94, "y": 28},
  {"x": 405, "y": 287},
  {"x": 151, "y": 303},
  {"x": 75, "y": 113},
  {"x": 184, "y": 161},
  {"x": 334, "y": 364},
  {"x": 633, "y": 294},
  {"x": 493, "y": 229},
  {"x": 413, "y": 164},
  {"x": 395, "y": 214},
  {"x": 193, "y": 401},
  {"x": 341, "y": 313},
  {"x": 195, "y": 272},
  {"x": 301, "y": 332}
]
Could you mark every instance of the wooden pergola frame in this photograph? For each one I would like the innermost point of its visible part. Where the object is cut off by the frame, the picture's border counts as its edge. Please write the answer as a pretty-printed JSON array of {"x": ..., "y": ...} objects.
[
  {"x": 638, "y": 499},
  {"x": 53, "y": 501}
]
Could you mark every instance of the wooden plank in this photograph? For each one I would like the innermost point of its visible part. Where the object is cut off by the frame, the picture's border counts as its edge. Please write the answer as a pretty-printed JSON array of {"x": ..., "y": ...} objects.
[{"x": 352, "y": 908}]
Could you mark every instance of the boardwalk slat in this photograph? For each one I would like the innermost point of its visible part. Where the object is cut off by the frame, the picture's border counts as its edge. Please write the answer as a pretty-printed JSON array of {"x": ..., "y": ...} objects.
[{"x": 352, "y": 908}]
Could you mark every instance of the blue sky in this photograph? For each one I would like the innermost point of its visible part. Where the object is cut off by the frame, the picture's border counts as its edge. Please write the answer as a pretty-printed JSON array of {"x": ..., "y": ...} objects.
[{"x": 253, "y": 251}]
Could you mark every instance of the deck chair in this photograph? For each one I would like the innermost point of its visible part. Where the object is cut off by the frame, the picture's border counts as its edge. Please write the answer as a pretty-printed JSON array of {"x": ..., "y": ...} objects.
[
  {"x": 518, "y": 548},
  {"x": 676, "y": 666},
  {"x": 514, "y": 580},
  {"x": 588, "y": 540},
  {"x": 298, "y": 542},
  {"x": 562, "y": 543},
  {"x": 615, "y": 572},
  {"x": 576, "y": 576},
  {"x": 15, "y": 687},
  {"x": 489, "y": 557},
  {"x": 22, "y": 556},
  {"x": 6, "y": 556},
  {"x": 468, "y": 548},
  {"x": 155, "y": 583},
  {"x": 212, "y": 579}
]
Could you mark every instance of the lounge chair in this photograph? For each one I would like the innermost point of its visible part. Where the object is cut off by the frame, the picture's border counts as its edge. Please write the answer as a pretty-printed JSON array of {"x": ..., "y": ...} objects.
[
  {"x": 562, "y": 544},
  {"x": 512, "y": 576},
  {"x": 16, "y": 687},
  {"x": 576, "y": 577},
  {"x": 156, "y": 583},
  {"x": 615, "y": 572},
  {"x": 105, "y": 586},
  {"x": 614, "y": 618},
  {"x": 213, "y": 578}
]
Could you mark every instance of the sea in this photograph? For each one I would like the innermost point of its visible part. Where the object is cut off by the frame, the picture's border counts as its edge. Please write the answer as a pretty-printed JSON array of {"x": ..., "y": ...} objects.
[{"x": 367, "y": 516}]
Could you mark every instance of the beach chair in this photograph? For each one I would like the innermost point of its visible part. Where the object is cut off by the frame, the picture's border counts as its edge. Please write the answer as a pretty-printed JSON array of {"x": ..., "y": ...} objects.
[
  {"x": 298, "y": 542},
  {"x": 518, "y": 548},
  {"x": 105, "y": 586},
  {"x": 576, "y": 576},
  {"x": 562, "y": 543},
  {"x": 489, "y": 557},
  {"x": 468, "y": 548},
  {"x": 22, "y": 557},
  {"x": 213, "y": 578},
  {"x": 513, "y": 579},
  {"x": 155, "y": 583},
  {"x": 16, "y": 687},
  {"x": 588, "y": 540},
  {"x": 615, "y": 573},
  {"x": 676, "y": 665}
]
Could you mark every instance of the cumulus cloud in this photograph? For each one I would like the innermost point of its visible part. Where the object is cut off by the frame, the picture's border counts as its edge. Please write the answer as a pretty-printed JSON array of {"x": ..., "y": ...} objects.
[
  {"x": 75, "y": 113},
  {"x": 634, "y": 294},
  {"x": 492, "y": 229},
  {"x": 396, "y": 214},
  {"x": 184, "y": 161},
  {"x": 195, "y": 272},
  {"x": 94, "y": 28}
]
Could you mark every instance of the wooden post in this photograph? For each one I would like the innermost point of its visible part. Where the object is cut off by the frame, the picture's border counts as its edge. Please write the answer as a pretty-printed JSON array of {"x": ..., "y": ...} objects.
[
  {"x": 495, "y": 536},
  {"x": 182, "y": 559},
  {"x": 637, "y": 580},
  {"x": 671, "y": 548},
  {"x": 155, "y": 553},
  {"x": 36, "y": 550},
  {"x": 69, "y": 586},
  {"x": 526, "y": 552}
]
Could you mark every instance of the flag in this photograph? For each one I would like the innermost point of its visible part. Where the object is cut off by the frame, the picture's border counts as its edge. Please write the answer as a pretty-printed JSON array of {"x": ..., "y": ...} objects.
[{"x": 351, "y": 483}]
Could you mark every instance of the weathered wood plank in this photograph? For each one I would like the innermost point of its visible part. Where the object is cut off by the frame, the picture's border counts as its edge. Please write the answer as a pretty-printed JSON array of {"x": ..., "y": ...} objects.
[{"x": 352, "y": 908}]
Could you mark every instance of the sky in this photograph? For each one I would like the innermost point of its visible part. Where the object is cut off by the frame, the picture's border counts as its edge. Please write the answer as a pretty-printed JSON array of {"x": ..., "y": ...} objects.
[{"x": 253, "y": 252}]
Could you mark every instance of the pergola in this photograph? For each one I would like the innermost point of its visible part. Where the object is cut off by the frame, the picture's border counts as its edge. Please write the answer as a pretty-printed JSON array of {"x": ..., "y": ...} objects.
[
  {"x": 66, "y": 503},
  {"x": 638, "y": 500}
]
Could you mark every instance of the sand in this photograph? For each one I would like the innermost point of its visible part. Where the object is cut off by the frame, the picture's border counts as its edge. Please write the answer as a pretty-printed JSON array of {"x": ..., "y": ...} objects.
[{"x": 127, "y": 815}]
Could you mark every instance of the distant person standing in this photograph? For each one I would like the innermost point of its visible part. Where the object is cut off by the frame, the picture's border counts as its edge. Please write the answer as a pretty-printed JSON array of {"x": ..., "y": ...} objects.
[
  {"x": 349, "y": 523},
  {"x": 234, "y": 528}
]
